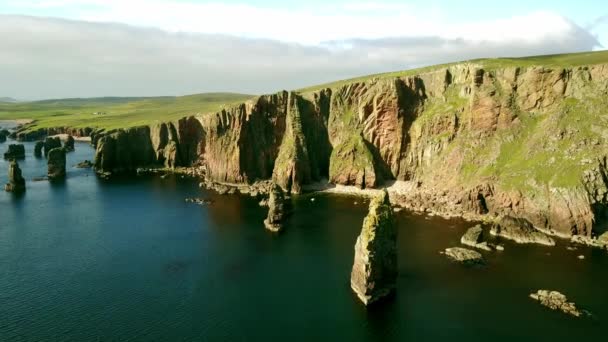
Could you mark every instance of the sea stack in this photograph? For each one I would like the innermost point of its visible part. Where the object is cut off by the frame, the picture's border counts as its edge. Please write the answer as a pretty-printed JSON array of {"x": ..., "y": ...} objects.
[
  {"x": 56, "y": 163},
  {"x": 51, "y": 143},
  {"x": 277, "y": 209},
  {"x": 15, "y": 151},
  {"x": 69, "y": 144},
  {"x": 374, "y": 273},
  {"x": 38, "y": 149},
  {"x": 3, "y": 135},
  {"x": 16, "y": 183}
]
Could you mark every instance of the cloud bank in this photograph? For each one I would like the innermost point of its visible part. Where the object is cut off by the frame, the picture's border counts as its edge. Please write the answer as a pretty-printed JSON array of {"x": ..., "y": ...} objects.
[{"x": 53, "y": 58}]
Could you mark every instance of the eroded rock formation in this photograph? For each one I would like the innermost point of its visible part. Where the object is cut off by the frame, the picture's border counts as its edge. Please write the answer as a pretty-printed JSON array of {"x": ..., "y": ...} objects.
[
  {"x": 555, "y": 300},
  {"x": 521, "y": 231},
  {"x": 38, "y": 149},
  {"x": 474, "y": 238},
  {"x": 15, "y": 151},
  {"x": 465, "y": 256},
  {"x": 68, "y": 145},
  {"x": 277, "y": 209},
  {"x": 374, "y": 273},
  {"x": 51, "y": 143},
  {"x": 16, "y": 182},
  {"x": 56, "y": 163}
]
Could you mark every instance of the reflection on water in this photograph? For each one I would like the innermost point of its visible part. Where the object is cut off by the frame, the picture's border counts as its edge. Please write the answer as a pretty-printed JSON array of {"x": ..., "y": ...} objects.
[{"x": 129, "y": 259}]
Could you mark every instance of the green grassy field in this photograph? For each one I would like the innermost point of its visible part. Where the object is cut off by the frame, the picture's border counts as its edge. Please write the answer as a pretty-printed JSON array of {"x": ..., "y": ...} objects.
[
  {"x": 130, "y": 112},
  {"x": 564, "y": 60},
  {"x": 119, "y": 112}
]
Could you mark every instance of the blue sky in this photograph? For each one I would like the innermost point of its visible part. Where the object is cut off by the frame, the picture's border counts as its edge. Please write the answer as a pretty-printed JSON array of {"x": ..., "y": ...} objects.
[{"x": 266, "y": 45}]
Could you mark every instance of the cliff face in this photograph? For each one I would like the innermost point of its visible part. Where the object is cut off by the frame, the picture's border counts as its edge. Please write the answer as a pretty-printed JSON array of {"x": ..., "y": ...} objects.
[{"x": 525, "y": 142}]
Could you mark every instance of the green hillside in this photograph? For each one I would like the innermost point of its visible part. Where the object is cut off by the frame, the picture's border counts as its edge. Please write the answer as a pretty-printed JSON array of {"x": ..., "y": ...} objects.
[{"x": 115, "y": 112}]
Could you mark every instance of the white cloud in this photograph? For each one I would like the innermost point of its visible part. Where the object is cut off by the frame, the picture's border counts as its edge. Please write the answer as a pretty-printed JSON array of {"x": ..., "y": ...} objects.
[{"x": 45, "y": 57}]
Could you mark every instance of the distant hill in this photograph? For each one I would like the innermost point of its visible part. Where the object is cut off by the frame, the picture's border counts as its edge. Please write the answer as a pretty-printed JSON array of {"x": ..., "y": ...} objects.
[{"x": 7, "y": 99}]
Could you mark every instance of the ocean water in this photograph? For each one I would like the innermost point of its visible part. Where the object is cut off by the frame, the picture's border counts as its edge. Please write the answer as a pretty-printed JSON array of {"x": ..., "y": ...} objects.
[{"x": 128, "y": 260}]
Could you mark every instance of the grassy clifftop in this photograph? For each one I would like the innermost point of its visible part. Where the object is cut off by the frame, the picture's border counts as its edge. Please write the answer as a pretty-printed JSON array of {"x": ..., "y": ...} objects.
[
  {"x": 115, "y": 112},
  {"x": 563, "y": 60}
]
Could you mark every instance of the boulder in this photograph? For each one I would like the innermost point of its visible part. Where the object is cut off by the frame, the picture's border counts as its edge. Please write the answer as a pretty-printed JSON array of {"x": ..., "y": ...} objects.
[
  {"x": 465, "y": 256},
  {"x": 374, "y": 273},
  {"x": 277, "y": 211},
  {"x": 520, "y": 230},
  {"x": 3, "y": 135},
  {"x": 68, "y": 145},
  {"x": 555, "y": 300},
  {"x": 15, "y": 151},
  {"x": 51, "y": 143},
  {"x": 87, "y": 164},
  {"x": 56, "y": 163},
  {"x": 474, "y": 238},
  {"x": 16, "y": 182},
  {"x": 38, "y": 149}
]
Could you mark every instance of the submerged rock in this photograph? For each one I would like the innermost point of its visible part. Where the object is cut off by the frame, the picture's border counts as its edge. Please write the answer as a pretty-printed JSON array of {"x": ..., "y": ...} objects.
[
  {"x": 277, "y": 209},
  {"x": 199, "y": 201},
  {"x": 38, "y": 149},
  {"x": 521, "y": 231},
  {"x": 15, "y": 151},
  {"x": 16, "y": 182},
  {"x": 69, "y": 143},
  {"x": 474, "y": 238},
  {"x": 56, "y": 163},
  {"x": 557, "y": 301},
  {"x": 51, "y": 143},
  {"x": 465, "y": 256},
  {"x": 87, "y": 164},
  {"x": 374, "y": 273}
]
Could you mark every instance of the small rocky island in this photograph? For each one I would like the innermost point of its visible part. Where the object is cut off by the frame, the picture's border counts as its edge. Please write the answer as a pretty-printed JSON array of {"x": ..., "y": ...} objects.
[
  {"x": 521, "y": 231},
  {"x": 555, "y": 300},
  {"x": 38, "y": 149},
  {"x": 474, "y": 237},
  {"x": 15, "y": 151},
  {"x": 277, "y": 211},
  {"x": 16, "y": 182},
  {"x": 374, "y": 273},
  {"x": 56, "y": 163},
  {"x": 464, "y": 255}
]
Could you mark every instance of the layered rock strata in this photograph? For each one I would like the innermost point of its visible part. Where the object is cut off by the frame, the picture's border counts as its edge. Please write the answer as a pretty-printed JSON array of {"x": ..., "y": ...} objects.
[{"x": 525, "y": 142}]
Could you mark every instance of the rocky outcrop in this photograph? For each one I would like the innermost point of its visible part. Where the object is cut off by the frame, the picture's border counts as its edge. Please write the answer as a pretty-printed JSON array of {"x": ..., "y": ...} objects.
[
  {"x": 87, "y": 164},
  {"x": 56, "y": 163},
  {"x": 521, "y": 231},
  {"x": 465, "y": 256},
  {"x": 68, "y": 145},
  {"x": 555, "y": 300},
  {"x": 15, "y": 151},
  {"x": 474, "y": 238},
  {"x": 16, "y": 182},
  {"x": 277, "y": 209},
  {"x": 51, "y": 143},
  {"x": 374, "y": 273},
  {"x": 3, "y": 135},
  {"x": 38, "y": 147},
  {"x": 26, "y": 132}
]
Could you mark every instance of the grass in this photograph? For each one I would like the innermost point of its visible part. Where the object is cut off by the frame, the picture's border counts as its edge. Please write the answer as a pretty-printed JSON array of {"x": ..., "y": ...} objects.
[
  {"x": 120, "y": 112},
  {"x": 561, "y": 60}
]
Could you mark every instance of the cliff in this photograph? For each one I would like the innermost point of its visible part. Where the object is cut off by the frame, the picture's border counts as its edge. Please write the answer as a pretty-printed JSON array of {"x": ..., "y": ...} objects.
[{"x": 526, "y": 142}]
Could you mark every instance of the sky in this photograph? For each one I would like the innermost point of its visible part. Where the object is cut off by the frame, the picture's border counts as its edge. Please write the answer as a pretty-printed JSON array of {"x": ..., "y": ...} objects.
[{"x": 91, "y": 48}]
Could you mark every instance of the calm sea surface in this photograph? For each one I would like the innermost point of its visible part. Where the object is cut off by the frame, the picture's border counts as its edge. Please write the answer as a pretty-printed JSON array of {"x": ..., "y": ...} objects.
[{"x": 128, "y": 259}]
